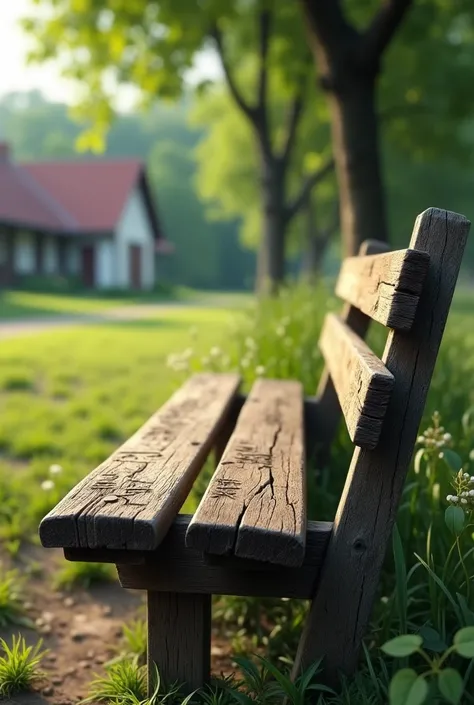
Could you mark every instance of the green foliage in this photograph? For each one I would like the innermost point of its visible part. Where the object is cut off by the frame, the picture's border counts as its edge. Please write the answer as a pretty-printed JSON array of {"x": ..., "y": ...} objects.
[
  {"x": 19, "y": 665},
  {"x": 126, "y": 684},
  {"x": 411, "y": 687},
  {"x": 84, "y": 575},
  {"x": 11, "y": 599}
]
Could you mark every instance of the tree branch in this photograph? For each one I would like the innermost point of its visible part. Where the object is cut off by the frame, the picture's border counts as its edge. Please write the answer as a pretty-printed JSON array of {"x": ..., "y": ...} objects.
[
  {"x": 308, "y": 185},
  {"x": 265, "y": 22},
  {"x": 294, "y": 115},
  {"x": 379, "y": 33},
  {"x": 326, "y": 20},
  {"x": 249, "y": 110}
]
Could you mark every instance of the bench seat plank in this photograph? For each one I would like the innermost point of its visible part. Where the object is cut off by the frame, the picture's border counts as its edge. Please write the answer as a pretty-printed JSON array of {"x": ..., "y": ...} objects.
[
  {"x": 386, "y": 287},
  {"x": 254, "y": 506},
  {"x": 362, "y": 382},
  {"x": 130, "y": 500}
]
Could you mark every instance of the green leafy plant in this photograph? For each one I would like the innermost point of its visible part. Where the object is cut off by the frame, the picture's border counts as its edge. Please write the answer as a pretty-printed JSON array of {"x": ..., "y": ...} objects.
[
  {"x": 411, "y": 687},
  {"x": 126, "y": 684},
  {"x": 11, "y": 601},
  {"x": 83, "y": 575},
  {"x": 19, "y": 665}
]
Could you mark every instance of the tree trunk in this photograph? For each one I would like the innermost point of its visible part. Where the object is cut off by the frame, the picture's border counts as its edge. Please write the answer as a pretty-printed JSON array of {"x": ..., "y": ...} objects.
[
  {"x": 314, "y": 246},
  {"x": 271, "y": 264},
  {"x": 357, "y": 156}
]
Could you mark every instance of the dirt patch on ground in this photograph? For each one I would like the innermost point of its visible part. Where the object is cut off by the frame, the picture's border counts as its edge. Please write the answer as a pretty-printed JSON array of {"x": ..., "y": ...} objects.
[{"x": 81, "y": 629}]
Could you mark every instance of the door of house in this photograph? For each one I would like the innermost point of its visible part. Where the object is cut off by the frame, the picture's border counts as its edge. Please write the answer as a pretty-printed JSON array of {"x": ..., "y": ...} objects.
[
  {"x": 135, "y": 264},
  {"x": 6, "y": 259},
  {"x": 88, "y": 266}
]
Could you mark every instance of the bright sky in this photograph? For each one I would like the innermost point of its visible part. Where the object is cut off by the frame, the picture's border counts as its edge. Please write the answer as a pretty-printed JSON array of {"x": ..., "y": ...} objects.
[{"x": 16, "y": 75}]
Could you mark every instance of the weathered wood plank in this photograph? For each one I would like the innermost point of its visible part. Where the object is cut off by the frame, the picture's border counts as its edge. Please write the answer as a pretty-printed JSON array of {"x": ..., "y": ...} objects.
[
  {"x": 255, "y": 504},
  {"x": 131, "y": 499},
  {"x": 385, "y": 287},
  {"x": 175, "y": 568},
  {"x": 362, "y": 382},
  {"x": 179, "y": 639},
  {"x": 327, "y": 414},
  {"x": 343, "y": 601}
]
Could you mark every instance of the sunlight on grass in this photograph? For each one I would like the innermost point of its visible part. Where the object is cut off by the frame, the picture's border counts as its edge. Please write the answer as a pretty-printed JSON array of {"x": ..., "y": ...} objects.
[{"x": 70, "y": 397}]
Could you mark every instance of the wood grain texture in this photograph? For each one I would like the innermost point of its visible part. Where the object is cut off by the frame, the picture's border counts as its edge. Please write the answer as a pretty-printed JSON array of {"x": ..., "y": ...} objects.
[
  {"x": 131, "y": 499},
  {"x": 254, "y": 506},
  {"x": 362, "y": 382},
  {"x": 343, "y": 601},
  {"x": 385, "y": 287},
  {"x": 175, "y": 568},
  {"x": 327, "y": 416},
  {"x": 179, "y": 639}
]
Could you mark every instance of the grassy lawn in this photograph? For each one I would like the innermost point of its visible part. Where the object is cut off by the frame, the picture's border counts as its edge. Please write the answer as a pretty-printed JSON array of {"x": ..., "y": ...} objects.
[
  {"x": 70, "y": 397},
  {"x": 22, "y": 304},
  {"x": 16, "y": 305}
]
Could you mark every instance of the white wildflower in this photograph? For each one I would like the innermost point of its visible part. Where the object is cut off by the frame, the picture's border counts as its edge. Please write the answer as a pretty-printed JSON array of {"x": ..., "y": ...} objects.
[
  {"x": 454, "y": 499},
  {"x": 463, "y": 500},
  {"x": 47, "y": 485},
  {"x": 471, "y": 493},
  {"x": 449, "y": 498},
  {"x": 55, "y": 469},
  {"x": 447, "y": 437},
  {"x": 466, "y": 476},
  {"x": 420, "y": 439}
]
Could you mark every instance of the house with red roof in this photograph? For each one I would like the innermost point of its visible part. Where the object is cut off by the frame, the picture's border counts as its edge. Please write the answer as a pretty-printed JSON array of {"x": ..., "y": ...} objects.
[{"x": 93, "y": 221}]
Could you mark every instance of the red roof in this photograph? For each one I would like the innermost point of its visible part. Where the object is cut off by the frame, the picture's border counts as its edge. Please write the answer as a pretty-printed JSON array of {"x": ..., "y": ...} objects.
[{"x": 70, "y": 197}]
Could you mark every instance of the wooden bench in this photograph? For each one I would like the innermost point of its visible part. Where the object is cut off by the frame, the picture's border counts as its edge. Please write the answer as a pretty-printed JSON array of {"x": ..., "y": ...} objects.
[{"x": 250, "y": 534}]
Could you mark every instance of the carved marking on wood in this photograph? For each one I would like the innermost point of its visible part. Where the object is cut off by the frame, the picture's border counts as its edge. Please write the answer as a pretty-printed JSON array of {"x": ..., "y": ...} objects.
[
  {"x": 254, "y": 506},
  {"x": 149, "y": 476}
]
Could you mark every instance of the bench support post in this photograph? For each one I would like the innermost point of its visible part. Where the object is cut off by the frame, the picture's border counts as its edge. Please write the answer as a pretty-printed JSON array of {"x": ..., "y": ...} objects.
[
  {"x": 344, "y": 596},
  {"x": 179, "y": 638}
]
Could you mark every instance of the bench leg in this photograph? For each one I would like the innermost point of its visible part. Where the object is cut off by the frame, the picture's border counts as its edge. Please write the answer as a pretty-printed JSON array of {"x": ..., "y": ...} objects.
[{"x": 179, "y": 638}]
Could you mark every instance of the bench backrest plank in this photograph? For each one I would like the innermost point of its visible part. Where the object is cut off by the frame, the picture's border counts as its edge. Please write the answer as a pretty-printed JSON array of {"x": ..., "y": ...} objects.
[
  {"x": 255, "y": 504},
  {"x": 131, "y": 499},
  {"x": 385, "y": 287},
  {"x": 344, "y": 596},
  {"x": 362, "y": 382}
]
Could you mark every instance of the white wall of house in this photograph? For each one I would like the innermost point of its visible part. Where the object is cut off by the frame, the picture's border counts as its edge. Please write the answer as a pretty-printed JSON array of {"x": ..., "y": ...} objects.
[
  {"x": 134, "y": 228},
  {"x": 105, "y": 256},
  {"x": 50, "y": 255},
  {"x": 24, "y": 257}
]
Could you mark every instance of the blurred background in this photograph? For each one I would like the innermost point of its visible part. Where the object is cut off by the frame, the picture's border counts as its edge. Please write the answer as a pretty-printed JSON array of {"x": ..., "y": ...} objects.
[{"x": 226, "y": 108}]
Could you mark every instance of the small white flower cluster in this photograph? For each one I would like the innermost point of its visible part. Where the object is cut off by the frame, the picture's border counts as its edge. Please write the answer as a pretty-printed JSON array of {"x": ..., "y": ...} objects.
[
  {"x": 435, "y": 437},
  {"x": 180, "y": 362},
  {"x": 465, "y": 491},
  {"x": 48, "y": 485}
]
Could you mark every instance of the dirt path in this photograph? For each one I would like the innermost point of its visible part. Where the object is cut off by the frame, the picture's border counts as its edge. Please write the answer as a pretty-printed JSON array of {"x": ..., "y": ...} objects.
[{"x": 14, "y": 328}]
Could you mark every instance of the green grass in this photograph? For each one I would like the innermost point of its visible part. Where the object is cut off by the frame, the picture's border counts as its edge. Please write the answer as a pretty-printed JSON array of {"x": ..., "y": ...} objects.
[
  {"x": 73, "y": 575},
  {"x": 17, "y": 305},
  {"x": 11, "y": 602},
  {"x": 70, "y": 397},
  {"x": 19, "y": 665}
]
